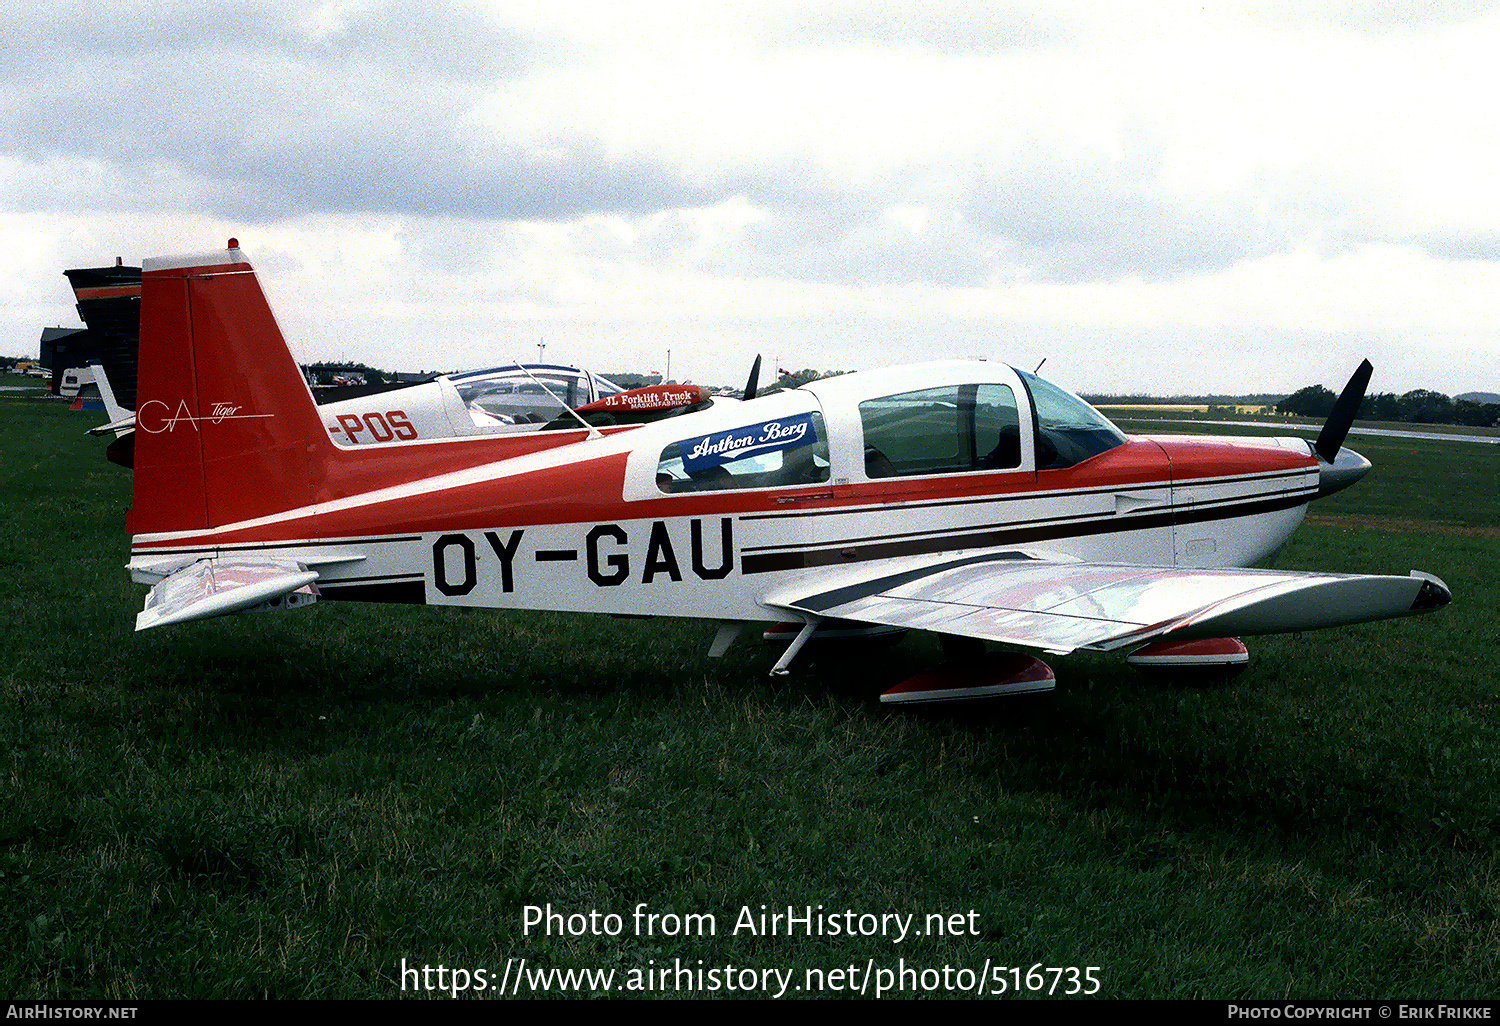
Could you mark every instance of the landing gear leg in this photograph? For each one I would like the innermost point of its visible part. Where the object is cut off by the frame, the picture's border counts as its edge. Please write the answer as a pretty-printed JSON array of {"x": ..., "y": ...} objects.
[
  {"x": 780, "y": 669},
  {"x": 961, "y": 651}
]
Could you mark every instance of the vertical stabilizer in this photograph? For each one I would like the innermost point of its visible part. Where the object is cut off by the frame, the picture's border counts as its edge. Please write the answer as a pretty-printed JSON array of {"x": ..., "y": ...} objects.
[
  {"x": 117, "y": 414},
  {"x": 225, "y": 425},
  {"x": 109, "y": 301}
]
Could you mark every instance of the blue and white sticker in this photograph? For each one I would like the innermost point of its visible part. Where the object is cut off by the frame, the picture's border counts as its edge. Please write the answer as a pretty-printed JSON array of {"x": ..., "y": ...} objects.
[{"x": 752, "y": 440}]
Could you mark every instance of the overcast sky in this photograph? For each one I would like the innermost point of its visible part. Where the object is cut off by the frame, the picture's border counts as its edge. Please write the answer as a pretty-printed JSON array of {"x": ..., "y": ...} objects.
[{"x": 1164, "y": 197}]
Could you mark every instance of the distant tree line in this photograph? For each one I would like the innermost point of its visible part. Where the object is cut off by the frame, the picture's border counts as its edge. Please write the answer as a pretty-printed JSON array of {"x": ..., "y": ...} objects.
[
  {"x": 791, "y": 379},
  {"x": 633, "y": 380},
  {"x": 324, "y": 373},
  {"x": 784, "y": 379},
  {"x": 1419, "y": 406},
  {"x": 1109, "y": 399}
]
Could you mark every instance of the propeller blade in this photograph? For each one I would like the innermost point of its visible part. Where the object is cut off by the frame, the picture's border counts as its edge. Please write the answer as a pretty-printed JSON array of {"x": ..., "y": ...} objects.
[
  {"x": 754, "y": 378},
  {"x": 1336, "y": 428}
]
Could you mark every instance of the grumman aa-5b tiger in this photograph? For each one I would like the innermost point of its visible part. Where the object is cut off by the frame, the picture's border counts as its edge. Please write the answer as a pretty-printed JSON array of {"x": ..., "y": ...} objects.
[{"x": 966, "y": 498}]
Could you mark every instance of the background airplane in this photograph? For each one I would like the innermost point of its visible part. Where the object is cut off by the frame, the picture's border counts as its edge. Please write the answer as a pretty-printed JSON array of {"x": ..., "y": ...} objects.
[
  {"x": 516, "y": 397},
  {"x": 497, "y": 400},
  {"x": 970, "y": 499}
]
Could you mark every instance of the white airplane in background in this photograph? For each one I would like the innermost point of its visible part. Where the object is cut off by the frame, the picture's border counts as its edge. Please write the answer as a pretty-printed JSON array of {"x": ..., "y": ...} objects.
[
  {"x": 496, "y": 400},
  {"x": 73, "y": 380},
  {"x": 121, "y": 422},
  {"x": 970, "y": 499},
  {"x": 517, "y": 397}
]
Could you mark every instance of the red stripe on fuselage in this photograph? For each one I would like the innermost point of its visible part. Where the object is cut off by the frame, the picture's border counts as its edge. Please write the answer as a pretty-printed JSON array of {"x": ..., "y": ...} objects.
[
  {"x": 590, "y": 489},
  {"x": 347, "y": 471}
]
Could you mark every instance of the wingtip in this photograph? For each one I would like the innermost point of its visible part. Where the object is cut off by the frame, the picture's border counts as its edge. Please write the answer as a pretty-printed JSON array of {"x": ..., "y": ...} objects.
[{"x": 1433, "y": 594}]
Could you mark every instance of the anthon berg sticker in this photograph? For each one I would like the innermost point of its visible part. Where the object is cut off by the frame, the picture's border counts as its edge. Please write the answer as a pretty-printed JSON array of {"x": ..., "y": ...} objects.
[{"x": 723, "y": 447}]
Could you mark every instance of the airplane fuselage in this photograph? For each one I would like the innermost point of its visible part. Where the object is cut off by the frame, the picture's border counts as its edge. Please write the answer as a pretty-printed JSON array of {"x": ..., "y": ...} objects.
[{"x": 618, "y": 524}]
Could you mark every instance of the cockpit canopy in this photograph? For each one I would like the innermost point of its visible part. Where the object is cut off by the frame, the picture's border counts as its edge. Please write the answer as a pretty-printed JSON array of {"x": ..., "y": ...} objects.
[{"x": 528, "y": 393}]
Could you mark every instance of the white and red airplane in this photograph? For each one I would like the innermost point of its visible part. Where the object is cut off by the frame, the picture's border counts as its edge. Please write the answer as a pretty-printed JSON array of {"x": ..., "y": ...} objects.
[
  {"x": 517, "y": 397},
  {"x": 497, "y": 400},
  {"x": 965, "y": 498}
]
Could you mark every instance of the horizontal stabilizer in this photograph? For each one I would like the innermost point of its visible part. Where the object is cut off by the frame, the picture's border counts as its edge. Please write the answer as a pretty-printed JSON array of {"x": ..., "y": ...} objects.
[
  {"x": 216, "y": 587},
  {"x": 1059, "y": 606},
  {"x": 117, "y": 427}
]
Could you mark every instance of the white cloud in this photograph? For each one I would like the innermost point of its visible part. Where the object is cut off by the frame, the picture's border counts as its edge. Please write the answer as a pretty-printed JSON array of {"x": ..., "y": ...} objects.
[{"x": 443, "y": 184}]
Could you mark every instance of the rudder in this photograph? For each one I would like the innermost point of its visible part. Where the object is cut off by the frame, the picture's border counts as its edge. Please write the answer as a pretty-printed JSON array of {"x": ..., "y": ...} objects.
[{"x": 226, "y": 428}]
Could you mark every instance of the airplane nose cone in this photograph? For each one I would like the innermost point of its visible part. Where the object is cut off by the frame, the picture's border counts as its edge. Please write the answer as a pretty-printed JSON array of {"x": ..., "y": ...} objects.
[{"x": 1347, "y": 467}]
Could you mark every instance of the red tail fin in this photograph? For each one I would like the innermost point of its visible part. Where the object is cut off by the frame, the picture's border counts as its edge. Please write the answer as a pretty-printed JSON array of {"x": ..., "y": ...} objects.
[{"x": 225, "y": 426}]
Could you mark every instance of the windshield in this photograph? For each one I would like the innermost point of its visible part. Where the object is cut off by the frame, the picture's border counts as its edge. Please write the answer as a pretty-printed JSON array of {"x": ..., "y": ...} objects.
[
  {"x": 603, "y": 386},
  {"x": 1069, "y": 430}
]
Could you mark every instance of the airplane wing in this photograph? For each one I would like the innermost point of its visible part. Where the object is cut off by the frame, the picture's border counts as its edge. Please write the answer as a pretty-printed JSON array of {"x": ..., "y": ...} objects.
[
  {"x": 1059, "y": 606},
  {"x": 214, "y": 587}
]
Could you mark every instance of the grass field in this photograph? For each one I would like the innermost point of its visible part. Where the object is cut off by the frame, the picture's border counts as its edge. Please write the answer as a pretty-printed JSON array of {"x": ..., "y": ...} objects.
[{"x": 292, "y": 805}]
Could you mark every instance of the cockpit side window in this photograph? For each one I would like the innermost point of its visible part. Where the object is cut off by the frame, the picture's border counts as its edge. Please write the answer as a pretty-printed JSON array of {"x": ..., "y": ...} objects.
[
  {"x": 790, "y": 450},
  {"x": 1068, "y": 430},
  {"x": 953, "y": 429}
]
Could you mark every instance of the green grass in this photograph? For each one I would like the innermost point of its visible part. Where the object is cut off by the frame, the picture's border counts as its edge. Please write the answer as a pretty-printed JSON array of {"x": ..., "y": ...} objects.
[
  {"x": 23, "y": 381},
  {"x": 291, "y": 805}
]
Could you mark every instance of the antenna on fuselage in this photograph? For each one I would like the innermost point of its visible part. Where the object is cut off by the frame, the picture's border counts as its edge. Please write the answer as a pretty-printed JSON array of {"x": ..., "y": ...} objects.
[
  {"x": 1039, "y": 366},
  {"x": 754, "y": 381}
]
